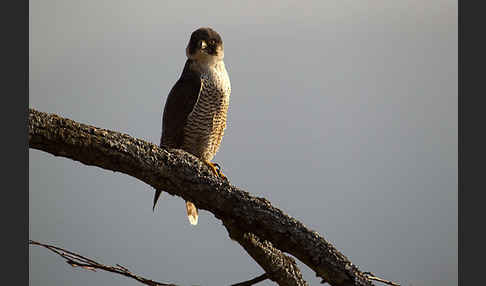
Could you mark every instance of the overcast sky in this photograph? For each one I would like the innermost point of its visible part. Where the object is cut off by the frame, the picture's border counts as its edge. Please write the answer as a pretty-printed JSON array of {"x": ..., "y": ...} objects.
[{"x": 342, "y": 113}]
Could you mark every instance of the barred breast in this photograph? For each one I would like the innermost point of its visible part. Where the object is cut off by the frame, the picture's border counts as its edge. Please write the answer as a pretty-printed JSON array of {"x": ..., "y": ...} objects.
[{"x": 207, "y": 121}]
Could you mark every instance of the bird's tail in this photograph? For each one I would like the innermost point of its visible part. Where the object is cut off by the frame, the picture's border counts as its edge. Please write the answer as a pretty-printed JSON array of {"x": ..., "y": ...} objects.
[
  {"x": 192, "y": 214},
  {"x": 156, "y": 197}
]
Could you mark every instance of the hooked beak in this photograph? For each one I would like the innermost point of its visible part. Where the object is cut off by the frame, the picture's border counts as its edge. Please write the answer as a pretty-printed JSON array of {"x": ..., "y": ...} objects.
[{"x": 203, "y": 45}]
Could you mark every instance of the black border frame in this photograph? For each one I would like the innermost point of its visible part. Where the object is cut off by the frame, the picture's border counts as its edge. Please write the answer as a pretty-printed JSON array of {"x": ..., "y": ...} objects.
[
  {"x": 15, "y": 81},
  {"x": 471, "y": 112}
]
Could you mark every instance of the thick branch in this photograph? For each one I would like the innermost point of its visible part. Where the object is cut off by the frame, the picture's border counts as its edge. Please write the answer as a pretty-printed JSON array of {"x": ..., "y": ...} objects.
[
  {"x": 179, "y": 173},
  {"x": 279, "y": 267},
  {"x": 279, "y": 270}
]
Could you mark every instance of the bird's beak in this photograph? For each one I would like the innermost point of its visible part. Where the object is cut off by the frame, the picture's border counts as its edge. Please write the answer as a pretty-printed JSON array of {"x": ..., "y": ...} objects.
[{"x": 203, "y": 45}]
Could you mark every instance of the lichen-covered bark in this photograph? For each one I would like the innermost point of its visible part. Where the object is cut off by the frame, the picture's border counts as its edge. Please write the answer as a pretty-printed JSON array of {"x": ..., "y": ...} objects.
[{"x": 181, "y": 174}]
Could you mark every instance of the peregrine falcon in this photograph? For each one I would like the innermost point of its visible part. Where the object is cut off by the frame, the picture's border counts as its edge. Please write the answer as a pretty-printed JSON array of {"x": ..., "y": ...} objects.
[{"x": 194, "y": 116}]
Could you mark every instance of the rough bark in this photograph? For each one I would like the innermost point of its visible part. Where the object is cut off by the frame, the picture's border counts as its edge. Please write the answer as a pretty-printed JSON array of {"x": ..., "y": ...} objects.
[
  {"x": 181, "y": 174},
  {"x": 279, "y": 267}
]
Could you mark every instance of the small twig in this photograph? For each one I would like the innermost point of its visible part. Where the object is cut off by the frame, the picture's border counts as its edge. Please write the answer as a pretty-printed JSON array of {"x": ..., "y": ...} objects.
[
  {"x": 253, "y": 281},
  {"x": 76, "y": 260},
  {"x": 122, "y": 267},
  {"x": 371, "y": 276}
]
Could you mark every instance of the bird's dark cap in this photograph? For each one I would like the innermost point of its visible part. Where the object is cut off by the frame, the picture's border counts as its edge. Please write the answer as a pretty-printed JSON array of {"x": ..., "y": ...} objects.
[
  {"x": 207, "y": 34},
  {"x": 210, "y": 36}
]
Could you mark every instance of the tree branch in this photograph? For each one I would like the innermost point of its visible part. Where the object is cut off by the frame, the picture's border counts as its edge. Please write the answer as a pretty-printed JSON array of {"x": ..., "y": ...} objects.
[
  {"x": 77, "y": 260},
  {"x": 279, "y": 267},
  {"x": 252, "y": 281},
  {"x": 59, "y": 147},
  {"x": 181, "y": 174},
  {"x": 371, "y": 276}
]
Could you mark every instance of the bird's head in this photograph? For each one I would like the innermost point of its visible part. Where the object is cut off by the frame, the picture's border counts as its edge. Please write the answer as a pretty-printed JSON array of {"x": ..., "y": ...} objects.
[{"x": 205, "y": 46}]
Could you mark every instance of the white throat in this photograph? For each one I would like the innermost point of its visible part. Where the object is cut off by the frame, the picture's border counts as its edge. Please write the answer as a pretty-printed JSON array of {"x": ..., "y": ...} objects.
[{"x": 205, "y": 59}]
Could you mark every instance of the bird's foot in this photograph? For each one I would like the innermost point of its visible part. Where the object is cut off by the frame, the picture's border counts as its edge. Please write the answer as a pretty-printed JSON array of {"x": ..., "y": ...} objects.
[{"x": 216, "y": 169}]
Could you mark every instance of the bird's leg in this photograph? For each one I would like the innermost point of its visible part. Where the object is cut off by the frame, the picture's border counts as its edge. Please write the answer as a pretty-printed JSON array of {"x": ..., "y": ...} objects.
[{"x": 216, "y": 169}]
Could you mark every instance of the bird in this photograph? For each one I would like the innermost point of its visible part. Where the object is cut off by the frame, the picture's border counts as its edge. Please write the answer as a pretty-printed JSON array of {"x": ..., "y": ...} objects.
[{"x": 195, "y": 111}]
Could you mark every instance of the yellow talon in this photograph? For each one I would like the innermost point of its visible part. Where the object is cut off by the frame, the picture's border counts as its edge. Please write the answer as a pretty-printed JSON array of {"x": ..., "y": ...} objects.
[{"x": 215, "y": 168}]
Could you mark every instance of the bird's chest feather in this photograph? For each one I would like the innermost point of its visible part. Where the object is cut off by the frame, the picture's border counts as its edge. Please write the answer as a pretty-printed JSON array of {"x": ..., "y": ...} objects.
[
  {"x": 213, "y": 98},
  {"x": 207, "y": 121}
]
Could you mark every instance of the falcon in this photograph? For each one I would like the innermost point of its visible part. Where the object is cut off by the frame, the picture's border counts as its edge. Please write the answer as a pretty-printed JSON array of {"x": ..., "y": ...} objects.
[{"x": 194, "y": 117}]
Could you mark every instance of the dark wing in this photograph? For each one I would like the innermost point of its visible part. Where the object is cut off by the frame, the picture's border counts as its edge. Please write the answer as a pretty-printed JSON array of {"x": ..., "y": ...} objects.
[{"x": 180, "y": 102}]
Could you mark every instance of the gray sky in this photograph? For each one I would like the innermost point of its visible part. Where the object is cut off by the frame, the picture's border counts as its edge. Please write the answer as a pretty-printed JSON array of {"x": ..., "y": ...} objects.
[{"x": 342, "y": 113}]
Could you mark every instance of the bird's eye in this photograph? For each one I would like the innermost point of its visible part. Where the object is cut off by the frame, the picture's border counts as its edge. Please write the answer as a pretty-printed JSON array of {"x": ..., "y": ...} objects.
[{"x": 212, "y": 42}]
